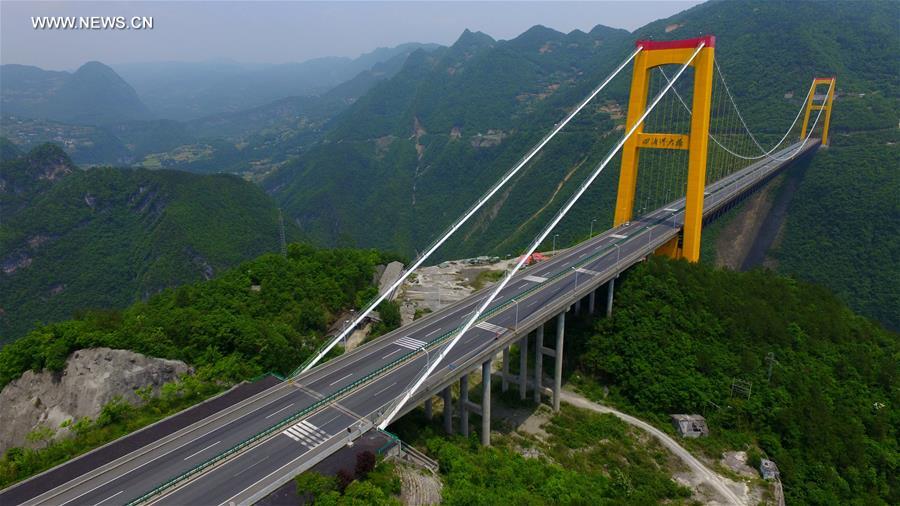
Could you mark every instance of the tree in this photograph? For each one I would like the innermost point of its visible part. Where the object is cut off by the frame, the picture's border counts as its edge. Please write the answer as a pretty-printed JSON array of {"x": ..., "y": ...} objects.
[
  {"x": 365, "y": 462},
  {"x": 41, "y": 433}
]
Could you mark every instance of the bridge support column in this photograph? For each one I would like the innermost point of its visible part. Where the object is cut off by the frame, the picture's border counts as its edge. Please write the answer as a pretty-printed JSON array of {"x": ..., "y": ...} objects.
[
  {"x": 538, "y": 362},
  {"x": 523, "y": 367},
  {"x": 557, "y": 370},
  {"x": 448, "y": 410},
  {"x": 486, "y": 403},
  {"x": 592, "y": 302},
  {"x": 610, "y": 286},
  {"x": 463, "y": 405},
  {"x": 428, "y": 413},
  {"x": 577, "y": 306},
  {"x": 504, "y": 384}
]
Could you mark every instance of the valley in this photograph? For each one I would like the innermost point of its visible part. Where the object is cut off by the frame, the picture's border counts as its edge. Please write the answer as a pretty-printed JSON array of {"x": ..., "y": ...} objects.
[{"x": 198, "y": 251}]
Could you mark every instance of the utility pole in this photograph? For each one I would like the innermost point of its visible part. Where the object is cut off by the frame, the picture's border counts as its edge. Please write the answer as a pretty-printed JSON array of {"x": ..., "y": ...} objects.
[
  {"x": 281, "y": 229},
  {"x": 770, "y": 358},
  {"x": 742, "y": 387}
]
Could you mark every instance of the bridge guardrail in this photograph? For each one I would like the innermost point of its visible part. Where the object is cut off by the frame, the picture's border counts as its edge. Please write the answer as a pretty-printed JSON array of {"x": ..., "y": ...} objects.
[{"x": 391, "y": 365}]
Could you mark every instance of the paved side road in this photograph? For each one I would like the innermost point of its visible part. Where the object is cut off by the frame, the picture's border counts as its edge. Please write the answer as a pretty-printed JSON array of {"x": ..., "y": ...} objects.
[{"x": 712, "y": 478}]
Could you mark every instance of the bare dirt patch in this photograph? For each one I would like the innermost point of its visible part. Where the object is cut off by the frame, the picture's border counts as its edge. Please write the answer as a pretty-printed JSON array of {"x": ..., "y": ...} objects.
[
  {"x": 418, "y": 487},
  {"x": 738, "y": 236}
]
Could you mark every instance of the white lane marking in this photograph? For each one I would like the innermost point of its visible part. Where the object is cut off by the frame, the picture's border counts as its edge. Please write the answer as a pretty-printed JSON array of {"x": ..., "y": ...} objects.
[
  {"x": 391, "y": 353},
  {"x": 307, "y": 434},
  {"x": 408, "y": 342},
  {"x": 230, "y": 499},
  {"x": 280, "y": 410},
  {"x": 306, "y": 440},
  {"x": 535, "y": 279},
  {"x": 669, "y": 209},
  {"x": 490, "y": 327},
  {"x": 383, "y": 389},
  {"x": 333, "y": 418},
  {"x": 309, "y": 426},
  {"x": 433, "y": 331},
  {"x": 251, "y": 465},
  {"x": 587, "y": 271},
  {"x": 108, "y": 498},
  {"x": 339, "y": 380},
  {"x": 583, "y": 254},
  {"x": 201, "y": 451},
  {"x": 107, "y": 482},
  {"x": 618, "y": 236}
]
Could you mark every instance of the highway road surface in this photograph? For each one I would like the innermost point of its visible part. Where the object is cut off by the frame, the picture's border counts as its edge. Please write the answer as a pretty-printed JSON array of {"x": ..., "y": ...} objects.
[{"x": 248, "y": 473}]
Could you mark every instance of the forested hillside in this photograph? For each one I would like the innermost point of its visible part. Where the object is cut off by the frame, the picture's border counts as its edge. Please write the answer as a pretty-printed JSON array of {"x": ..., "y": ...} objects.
[
  {"x": 102, "y": 238},
  {"x": 414, "y": 152},
  {"x": 681, "y": 336},
  {"x": 266, "y": 314}
]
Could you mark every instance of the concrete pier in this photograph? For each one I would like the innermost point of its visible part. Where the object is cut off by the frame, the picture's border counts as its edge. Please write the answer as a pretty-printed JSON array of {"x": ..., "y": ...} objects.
[
  {"x": 486, "y": 403},
  {"x": 448, "y": 410},
  {"x": 538, "y": 362},
  {"x": 523, "y": 367},
  {"x": 558, "y": 356}
]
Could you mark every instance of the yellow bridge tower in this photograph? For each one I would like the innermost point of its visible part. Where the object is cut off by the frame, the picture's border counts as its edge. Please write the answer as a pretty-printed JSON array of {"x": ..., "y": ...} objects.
[
  {"x": 655, "y": 54},
  {"x": 826, "y": 104}
]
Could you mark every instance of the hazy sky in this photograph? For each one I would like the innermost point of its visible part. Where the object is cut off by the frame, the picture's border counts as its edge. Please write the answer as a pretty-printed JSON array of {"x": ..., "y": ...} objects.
[{"x": 277, "y": 32}]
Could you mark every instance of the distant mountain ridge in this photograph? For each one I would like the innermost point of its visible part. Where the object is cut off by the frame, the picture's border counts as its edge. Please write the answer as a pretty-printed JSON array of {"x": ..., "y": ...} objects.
[
  {"x": 92, "y": 95},
  {"x": 188, "y": 91},
  {"x": 105, "y": 237},
  {"x": 222, "y": 142}
]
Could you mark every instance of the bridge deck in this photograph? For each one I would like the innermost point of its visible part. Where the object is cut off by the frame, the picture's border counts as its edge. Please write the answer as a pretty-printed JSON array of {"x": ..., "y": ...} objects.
[{"x": 248, "y": 475}]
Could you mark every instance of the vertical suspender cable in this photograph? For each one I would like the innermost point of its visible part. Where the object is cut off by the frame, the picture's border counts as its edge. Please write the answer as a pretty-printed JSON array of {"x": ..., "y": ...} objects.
[{"x": 537, "y": 242}]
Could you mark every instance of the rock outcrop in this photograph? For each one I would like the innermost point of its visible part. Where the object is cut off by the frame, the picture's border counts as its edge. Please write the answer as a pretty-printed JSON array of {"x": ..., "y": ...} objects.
[{"x": 91, "y": 378}]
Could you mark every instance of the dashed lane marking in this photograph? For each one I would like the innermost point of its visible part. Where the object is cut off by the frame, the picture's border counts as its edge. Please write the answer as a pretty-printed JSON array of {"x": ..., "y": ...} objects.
[
  {"x": 280, "y": 410},
  {"x": 198, "y": 452},
  {"x": 339, "y": 380}
]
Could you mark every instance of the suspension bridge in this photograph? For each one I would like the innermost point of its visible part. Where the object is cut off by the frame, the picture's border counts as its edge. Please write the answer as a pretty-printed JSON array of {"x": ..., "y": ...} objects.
[{"x": 685, "y": 154}]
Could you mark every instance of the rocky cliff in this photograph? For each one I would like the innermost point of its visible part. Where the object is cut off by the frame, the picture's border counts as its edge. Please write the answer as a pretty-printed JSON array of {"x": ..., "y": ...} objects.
[{"x": 91, "y": 378}]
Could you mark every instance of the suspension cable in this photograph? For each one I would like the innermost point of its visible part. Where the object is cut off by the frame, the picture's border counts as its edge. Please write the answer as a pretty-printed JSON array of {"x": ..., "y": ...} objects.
[
  {"x": 766, "y": 153},
  {"x": 808, "y": 136},
  {"x": 465, "y": 217},
  {"x": 537, "y": 242}
]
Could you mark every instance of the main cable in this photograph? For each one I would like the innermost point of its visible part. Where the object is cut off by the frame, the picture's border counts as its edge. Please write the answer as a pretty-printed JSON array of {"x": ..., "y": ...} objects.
[
  {"x": 766, "y": 153},
  {"x": 537, "y": 242}
]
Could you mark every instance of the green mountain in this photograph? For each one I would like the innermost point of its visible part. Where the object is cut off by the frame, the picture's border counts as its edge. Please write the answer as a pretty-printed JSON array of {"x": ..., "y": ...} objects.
[
  {"x": 104, "y": 237},
  {"x": 821, "y": 382},
  {"x": 92, "y": 95},
  {"x": 414, "y": 152},
  {"x": 417, "y": 149}
]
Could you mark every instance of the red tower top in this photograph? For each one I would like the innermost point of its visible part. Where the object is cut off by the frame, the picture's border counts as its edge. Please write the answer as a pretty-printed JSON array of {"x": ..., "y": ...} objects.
[{"x": 652, "y": 45}]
